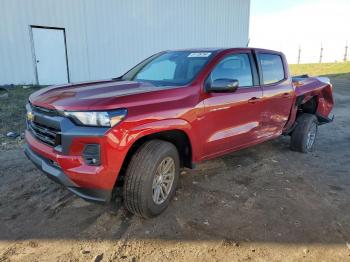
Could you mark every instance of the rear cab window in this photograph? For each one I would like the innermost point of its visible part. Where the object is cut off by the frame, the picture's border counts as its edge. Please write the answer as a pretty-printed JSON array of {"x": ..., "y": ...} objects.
[{"x": 272, "y": 68}]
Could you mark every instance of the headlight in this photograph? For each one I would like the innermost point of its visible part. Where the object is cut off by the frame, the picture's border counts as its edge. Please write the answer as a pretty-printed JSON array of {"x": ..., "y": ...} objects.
[{"x": 99, "y": 119}]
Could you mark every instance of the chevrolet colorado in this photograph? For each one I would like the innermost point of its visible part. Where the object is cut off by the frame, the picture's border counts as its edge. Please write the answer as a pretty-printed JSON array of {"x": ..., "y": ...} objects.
[{"x": 131, "y": 135}]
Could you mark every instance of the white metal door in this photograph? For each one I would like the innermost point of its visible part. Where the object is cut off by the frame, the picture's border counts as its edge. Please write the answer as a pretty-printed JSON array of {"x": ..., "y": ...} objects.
[{"x": 50, "y": 56}]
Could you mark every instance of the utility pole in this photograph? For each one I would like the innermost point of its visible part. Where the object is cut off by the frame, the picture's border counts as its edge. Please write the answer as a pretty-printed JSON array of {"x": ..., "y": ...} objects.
[
  {"x": 299, "y": 52},
  {"x": 321, "y": 53},
  {"x": 346, "y": 52}
]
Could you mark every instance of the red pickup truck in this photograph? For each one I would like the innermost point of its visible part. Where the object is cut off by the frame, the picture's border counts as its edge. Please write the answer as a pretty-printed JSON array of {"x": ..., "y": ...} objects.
[{"x": 131, "y": 135}]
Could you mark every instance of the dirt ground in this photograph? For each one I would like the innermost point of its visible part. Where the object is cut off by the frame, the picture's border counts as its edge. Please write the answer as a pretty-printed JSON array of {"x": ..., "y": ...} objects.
[{"x": 264, "y": 203}]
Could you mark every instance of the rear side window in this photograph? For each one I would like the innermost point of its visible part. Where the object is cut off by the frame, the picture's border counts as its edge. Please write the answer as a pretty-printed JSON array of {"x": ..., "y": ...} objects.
[
  {"x": 236, "y": 67},
  {"x": 272, "y": 68}
]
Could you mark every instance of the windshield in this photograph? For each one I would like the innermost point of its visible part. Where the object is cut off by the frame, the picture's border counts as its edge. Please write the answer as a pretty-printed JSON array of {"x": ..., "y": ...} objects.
[{"x": 175, "y": 68}]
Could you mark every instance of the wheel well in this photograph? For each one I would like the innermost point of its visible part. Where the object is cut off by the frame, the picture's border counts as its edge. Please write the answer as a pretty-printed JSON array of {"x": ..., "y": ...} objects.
[
  {"x": 176, "y": 137},
  {"x": 310, "y": 106}
]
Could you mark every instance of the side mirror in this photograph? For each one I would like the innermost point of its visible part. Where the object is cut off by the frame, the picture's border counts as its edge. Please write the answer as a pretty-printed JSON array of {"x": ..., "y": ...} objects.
[{"x": 223, "y": 85}]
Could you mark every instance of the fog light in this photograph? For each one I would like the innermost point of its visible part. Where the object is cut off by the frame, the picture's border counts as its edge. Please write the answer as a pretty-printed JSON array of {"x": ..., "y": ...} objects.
[{"x": 91, "y": 154}]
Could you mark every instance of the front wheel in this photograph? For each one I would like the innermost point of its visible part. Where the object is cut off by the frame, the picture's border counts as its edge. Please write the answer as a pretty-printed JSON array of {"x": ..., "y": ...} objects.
[
  {"x": 304, "y": 135},
  {"x": 151, "y": 178}
]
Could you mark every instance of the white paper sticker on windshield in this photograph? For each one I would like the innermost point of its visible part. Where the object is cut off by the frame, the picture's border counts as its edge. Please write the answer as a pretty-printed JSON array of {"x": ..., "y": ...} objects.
[{"x": 201, "y": 54}]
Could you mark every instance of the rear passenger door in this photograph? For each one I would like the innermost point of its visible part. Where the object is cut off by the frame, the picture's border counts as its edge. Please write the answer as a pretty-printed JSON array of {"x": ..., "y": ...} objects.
[{"x": 277, "y": 93}]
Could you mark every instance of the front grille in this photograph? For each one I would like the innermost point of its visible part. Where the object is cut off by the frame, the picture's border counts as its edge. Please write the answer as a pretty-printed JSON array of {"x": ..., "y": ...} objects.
[
  {"x": 45, "y": 134},
  {"x": 44, "y": 125}
]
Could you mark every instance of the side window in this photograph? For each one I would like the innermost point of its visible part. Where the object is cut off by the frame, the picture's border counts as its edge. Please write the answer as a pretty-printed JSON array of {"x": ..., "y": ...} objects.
[
  {"x": 162, "y": 70},
  {"x": 272, "y": 68},
  {"x": 234, "y": 67}
]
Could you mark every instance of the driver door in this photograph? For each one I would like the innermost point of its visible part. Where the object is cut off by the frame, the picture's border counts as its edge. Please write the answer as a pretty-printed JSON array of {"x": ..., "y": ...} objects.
[{"x": 232, "y": 120}]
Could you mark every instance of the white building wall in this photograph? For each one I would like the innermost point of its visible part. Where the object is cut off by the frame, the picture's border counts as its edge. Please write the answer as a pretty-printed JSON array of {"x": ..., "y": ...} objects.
[{"x": 106, "y": 37}]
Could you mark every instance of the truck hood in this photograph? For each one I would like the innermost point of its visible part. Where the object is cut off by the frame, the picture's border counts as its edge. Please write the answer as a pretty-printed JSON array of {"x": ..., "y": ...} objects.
[{"x": 92, "y": 95}]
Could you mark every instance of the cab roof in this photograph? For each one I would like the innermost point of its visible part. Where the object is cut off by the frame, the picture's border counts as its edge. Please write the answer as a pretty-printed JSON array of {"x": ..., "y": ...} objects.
[{"x": 221, "y": 49}]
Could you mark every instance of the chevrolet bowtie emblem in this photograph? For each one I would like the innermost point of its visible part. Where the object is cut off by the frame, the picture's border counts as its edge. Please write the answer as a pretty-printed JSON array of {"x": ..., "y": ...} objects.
[{"x": 30, "y": 116}]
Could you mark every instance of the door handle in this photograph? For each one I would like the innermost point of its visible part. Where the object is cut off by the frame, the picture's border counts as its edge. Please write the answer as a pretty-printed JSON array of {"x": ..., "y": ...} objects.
[{"x": 253, "y": 100}]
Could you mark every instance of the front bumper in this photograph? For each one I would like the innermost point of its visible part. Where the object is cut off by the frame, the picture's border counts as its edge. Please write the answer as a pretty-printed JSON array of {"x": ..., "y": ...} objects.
[
  {"x": 56, "y": 174},
  {"x": 64, "y": 158}
]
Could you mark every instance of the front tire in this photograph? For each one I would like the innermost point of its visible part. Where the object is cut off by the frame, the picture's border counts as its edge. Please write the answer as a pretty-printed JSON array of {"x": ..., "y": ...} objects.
[
  {"x": 151, "y": 178},
  {"x": 304, "y": 135}
]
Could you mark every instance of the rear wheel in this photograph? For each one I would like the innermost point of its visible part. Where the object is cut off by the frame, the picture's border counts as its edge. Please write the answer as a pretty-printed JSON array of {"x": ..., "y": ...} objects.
[
  {"x": 304, "y": 135},
  {"x": 151, "y": 178}
]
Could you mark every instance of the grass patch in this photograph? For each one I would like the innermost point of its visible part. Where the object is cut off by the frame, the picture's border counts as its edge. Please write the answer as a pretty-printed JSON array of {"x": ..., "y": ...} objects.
[
  {"x": 320, "y": 69},
  {"x": 13, "y": 113}
]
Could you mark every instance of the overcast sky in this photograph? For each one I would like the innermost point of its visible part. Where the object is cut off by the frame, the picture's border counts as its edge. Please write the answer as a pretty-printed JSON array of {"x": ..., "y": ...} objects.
[{"x": 285, "y": 25}]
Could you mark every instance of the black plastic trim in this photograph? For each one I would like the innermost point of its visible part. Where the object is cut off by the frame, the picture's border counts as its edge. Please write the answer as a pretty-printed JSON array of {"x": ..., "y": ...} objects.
[
  {"x": 90, "y": 152},
  {"x": 324, "y": 120},
  {"x": 299, "y": 100}
]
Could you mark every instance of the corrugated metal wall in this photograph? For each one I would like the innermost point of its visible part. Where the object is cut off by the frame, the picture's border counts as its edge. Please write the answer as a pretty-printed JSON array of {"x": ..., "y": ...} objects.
[{"x": 107, "y": 37}]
